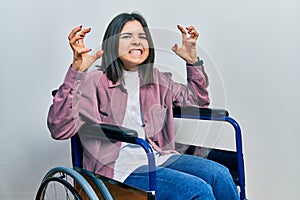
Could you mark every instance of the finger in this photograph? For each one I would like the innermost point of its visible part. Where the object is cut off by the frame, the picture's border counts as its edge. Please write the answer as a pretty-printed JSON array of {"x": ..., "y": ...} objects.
[
  {"x": 74, "y": 32},
  {"x": 75, "y": 39},
  {"x": 80, "y": 42},
  {"x": 194, "y": 34},
  {"x": 85, "y": 31},
  {"x": 98, "y": 54},
  {"x": 183, "y": 32},
  {"x": 91, "y": 59},
  {"x": 83, "y": 50},
  {"x": 190, "y": 28},
  {"x": 81, "y": 35},
  {"x": 78, "y": 39},
  {"x": 175, "y": 48},
  {"x": 192, "y": 31}
]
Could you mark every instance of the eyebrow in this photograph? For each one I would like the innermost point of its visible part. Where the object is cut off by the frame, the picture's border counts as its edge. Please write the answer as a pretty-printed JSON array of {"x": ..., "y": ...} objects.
[{"x": 129, "y": 33}]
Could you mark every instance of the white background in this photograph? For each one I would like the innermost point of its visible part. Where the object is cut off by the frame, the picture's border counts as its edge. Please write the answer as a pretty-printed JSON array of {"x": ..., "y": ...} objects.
[{"x": 254, "y": 45}]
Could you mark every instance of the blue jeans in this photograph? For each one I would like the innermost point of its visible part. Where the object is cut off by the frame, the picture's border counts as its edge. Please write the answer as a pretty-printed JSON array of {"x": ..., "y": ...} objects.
[{"x": 186, "y": 177}]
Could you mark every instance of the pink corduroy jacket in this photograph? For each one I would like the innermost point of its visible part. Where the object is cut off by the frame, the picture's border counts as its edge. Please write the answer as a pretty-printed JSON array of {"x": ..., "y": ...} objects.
[{"x": 92, "y": 96}]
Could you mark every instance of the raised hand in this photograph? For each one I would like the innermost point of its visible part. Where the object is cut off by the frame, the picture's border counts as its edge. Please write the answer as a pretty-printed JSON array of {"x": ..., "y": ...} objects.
[
  {"x": 188, "y": 50},
  {"x": 81, "y": 59}
]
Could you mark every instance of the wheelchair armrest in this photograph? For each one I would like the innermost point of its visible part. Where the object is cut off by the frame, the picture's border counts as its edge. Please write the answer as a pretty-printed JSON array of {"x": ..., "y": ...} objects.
[
  {"x": 191, "y": 111},
  {"x": 122, "y": 134},
  {"x": 53, "y": 93},
  {"x": 109, "y": 131}
]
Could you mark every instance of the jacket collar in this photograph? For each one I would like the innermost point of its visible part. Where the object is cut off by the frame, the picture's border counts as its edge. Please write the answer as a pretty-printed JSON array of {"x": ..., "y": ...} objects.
[{"x": 111, "y": 84}]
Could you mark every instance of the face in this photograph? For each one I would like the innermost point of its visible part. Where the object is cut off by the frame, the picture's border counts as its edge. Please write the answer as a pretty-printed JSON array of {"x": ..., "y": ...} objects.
[{"x": 133, "y": 45}]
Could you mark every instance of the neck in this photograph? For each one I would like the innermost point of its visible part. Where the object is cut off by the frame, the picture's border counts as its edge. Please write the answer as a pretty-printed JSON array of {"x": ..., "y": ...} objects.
[{"x": 131, "y": 68}]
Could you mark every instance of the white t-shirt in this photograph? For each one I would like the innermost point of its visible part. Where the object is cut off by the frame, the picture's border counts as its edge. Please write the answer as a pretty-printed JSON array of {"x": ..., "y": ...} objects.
[{"x": 133, "y": 156}]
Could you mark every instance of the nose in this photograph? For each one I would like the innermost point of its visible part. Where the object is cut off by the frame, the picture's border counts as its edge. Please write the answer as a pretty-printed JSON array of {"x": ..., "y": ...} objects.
[{"x": 136, "y": 40}]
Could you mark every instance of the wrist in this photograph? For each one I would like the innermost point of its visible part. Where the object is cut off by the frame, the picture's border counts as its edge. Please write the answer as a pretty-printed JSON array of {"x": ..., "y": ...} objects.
[
  {"x": 76, "y": 65},
  {"x": 198, "y": 62}
]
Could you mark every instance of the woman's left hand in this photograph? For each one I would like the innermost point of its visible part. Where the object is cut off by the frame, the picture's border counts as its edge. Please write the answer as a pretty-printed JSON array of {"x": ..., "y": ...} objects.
[{"x": 188, "y": 50}]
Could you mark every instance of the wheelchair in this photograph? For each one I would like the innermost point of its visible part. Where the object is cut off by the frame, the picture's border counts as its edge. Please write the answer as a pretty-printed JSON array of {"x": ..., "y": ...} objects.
[{"x": 78, "y": 183}]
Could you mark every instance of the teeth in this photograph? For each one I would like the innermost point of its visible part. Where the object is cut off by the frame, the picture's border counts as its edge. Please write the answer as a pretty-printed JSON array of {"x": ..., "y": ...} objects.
[{"x": 136, "y": 52}]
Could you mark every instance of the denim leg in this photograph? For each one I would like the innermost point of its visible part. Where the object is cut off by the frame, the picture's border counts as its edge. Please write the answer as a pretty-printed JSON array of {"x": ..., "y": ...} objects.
[
  {"x": 172, "y": 184},
  {"x": 214, "y": 174}
]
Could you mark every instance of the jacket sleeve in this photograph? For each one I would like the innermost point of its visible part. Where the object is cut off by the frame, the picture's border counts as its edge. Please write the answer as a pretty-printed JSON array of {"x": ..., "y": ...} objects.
[
  {"x": 195, "y": 93},
  {"x": 63, "y": 120}
]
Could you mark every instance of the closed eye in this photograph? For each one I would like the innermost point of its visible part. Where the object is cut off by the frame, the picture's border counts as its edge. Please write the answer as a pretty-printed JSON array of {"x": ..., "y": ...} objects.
[
  {"x": 129, "y": 35},
  {"x": 125, "y": 35},
  {"x": 143, "y": 36}
]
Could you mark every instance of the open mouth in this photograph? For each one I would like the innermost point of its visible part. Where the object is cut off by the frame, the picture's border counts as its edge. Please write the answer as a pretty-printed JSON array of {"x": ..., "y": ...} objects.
[{"x": 136, "y": 52}]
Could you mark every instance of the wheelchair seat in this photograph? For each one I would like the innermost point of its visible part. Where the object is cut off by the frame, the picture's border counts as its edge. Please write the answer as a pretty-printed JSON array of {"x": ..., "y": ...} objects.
[{"x": 88, "y": 185}]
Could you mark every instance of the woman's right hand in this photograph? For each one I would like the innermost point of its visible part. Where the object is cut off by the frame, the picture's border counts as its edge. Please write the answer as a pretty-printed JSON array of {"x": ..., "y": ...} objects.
[{"x": 81, "y": 59}]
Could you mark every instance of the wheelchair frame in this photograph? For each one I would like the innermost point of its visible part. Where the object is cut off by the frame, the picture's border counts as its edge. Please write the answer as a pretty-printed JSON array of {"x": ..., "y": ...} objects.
[{"x": 127, "y": 135}]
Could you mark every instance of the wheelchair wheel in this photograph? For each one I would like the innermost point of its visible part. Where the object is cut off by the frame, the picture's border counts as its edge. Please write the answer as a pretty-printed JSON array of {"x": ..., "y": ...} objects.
[
  {"x": 57, "y": 188},
  {"x": 65, "y": 183}
]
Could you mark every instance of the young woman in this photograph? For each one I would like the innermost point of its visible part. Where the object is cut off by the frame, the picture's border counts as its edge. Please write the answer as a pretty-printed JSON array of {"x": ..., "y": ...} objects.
[{"x": 128, "y": 91}]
